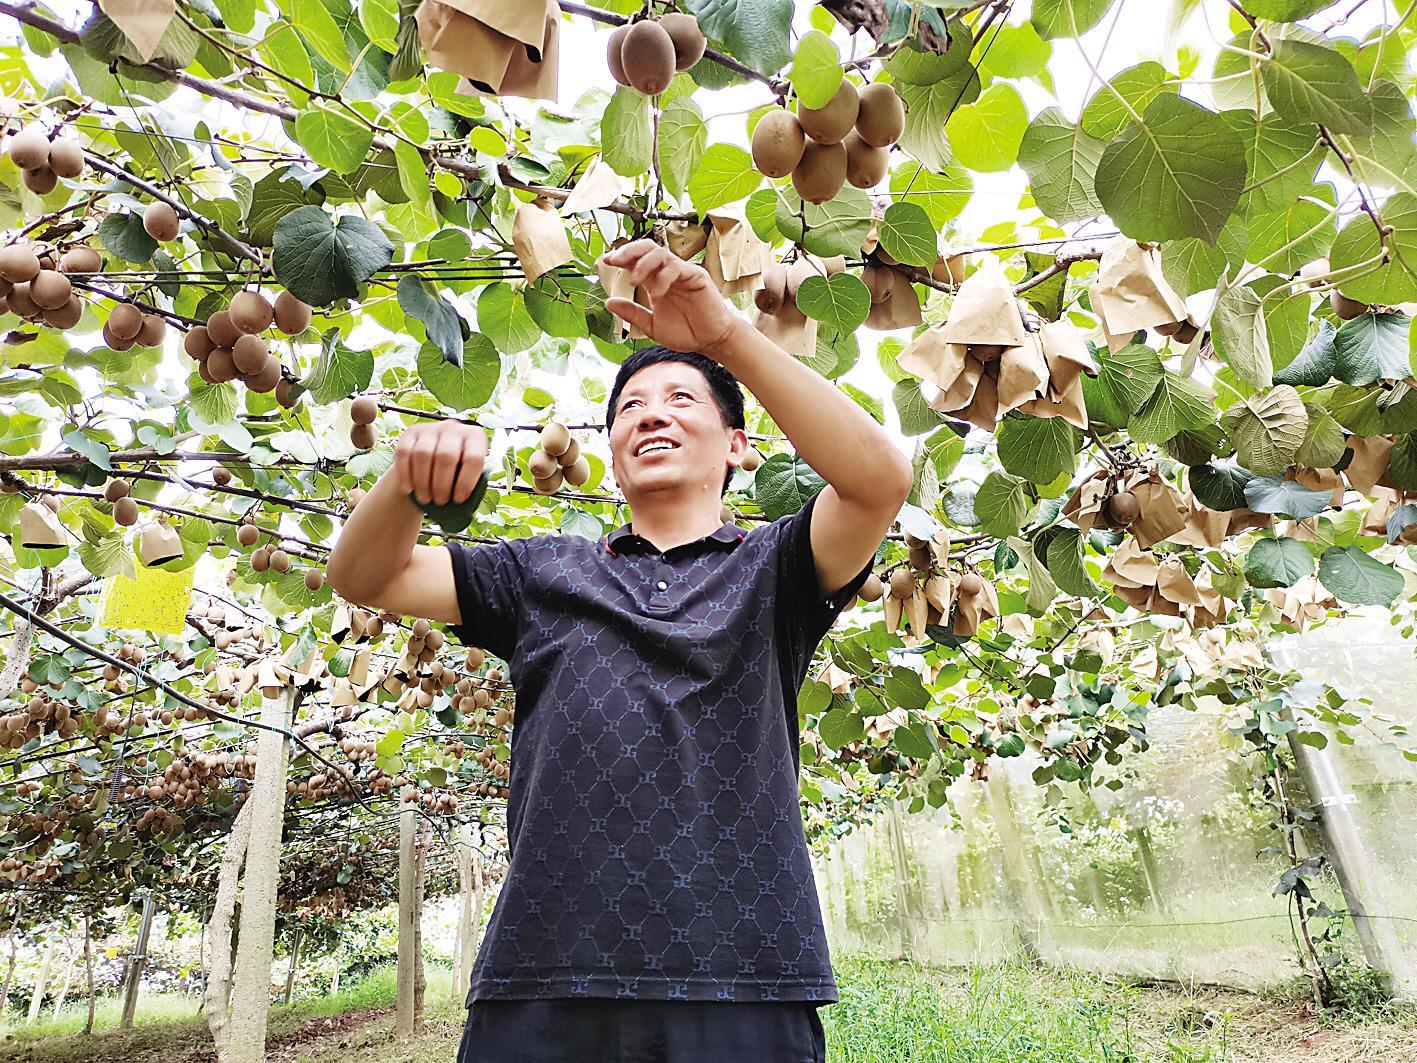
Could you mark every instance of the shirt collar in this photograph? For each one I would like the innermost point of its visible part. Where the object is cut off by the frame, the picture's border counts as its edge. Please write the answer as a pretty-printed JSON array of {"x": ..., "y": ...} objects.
[{"x": 622, "y": 538}]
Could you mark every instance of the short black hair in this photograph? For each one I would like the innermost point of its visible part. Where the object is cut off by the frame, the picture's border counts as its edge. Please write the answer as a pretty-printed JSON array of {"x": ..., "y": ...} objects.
[{"x": 727, "y": 393}]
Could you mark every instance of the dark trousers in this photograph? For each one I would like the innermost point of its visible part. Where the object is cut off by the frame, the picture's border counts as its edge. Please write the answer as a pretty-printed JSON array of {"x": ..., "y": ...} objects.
[{"x": 607, "y": 1030}]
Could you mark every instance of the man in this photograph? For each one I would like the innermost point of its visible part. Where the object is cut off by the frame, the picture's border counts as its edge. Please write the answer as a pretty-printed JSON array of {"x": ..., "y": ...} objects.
[{"x": 660, "y": 904}]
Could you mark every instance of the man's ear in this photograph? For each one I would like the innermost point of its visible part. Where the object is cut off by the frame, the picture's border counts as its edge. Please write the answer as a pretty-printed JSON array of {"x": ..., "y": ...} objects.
[{"x": 737, "y": 446}]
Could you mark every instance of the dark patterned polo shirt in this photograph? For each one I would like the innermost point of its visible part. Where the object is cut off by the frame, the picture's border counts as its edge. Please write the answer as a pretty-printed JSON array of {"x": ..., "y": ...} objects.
[{"x": 656, "y": 837}]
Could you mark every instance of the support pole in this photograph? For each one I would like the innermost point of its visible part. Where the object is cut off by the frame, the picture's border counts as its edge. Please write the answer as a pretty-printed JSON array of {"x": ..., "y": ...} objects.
[
  {"x": 41, "y": 980},
  {"x": 294, "y": 966},
  {"x": 64, "y": 987},
  {"x": 405, "y": 994},
  {"x": 137, "y": 964},
  {"x": 88, "y": 973}
]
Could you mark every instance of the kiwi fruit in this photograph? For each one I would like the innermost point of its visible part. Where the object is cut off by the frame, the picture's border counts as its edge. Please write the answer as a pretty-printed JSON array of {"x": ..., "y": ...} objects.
[
  {"x": 821, "y": 173},
  {"x": 222, "y": 330},
  {"x": 1123, "y": 508},
  {"x": 20, "y": 302},
  {"x": 541, "y": 465},
  {"x": 550, "y": 485},
  {"x": 50, "y": 289},
  {"x": 577, "y": 473},
  {"x": 81, "y": 259},
  {"x": 66, "y": 158},
  {"x": 752, "y": 460},
  {"x": 291, "y": 315},
  {"x": 778, "y": 143},
  {"x": 689, "y": 40},
  {"x": 249, "y": 353},
  {"x": 970, "y": 584},
  {"x": 830, "y": 124},
  {"x": 285, "y": 393},
  {"x": 220, "y": 366},
  {"x": 29, "y": 148},
  {"x": 41, "y": 181},
  {"x": 902, "y": 583},
  {"x": 771, "y": 297},
  {"x": 280, "y": 561},
  {"x": 363, "y": 410},
  {"x": 555, "y": 439},
  {"x": 613, "y": 58},
  {"x": 152, "y": 332},
  {"x": 872, "y": 588},
  {"x": 314, "y": 579},
  {"x": 116, "y": 489},
  {"x": 264, "y": 379},
  {"x": 18, "y": 263},
  {"x": 880, "y": 120},
  {"x": 260, "y": 559},
  {"x": 647, "y": 54},
  {"x": 1187, "y": 332},
  {"x": 251, "y": 312},
  {"x": 204, "y": 371},
  {"x": 948, "y": 270},
  {"x": 865, "y": 165},
  {"x": 362, "y": 436},
  {"x": 125, "y": 321},
  {"x": 160, "y": 221},
  {"x": 247, "y": 534},
  {"x": 66, "y": 316},
  {"x": 198, "y": 343},
  {"x": 125, "y": 511},
  {"x": 1345, "y": 308},
  {"x": 878, "y": 283}
]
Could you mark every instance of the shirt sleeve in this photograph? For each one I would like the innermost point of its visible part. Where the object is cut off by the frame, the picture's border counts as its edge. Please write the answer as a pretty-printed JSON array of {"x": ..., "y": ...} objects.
[
  {"x": 490, "y": 581},
  {"x": 805, "y": 614}
]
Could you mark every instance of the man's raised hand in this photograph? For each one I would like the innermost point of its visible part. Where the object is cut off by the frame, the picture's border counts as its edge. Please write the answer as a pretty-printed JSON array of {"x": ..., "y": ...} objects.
[
  {"x": 685, "y": 311},
  {"x": 440, "y": 463}
]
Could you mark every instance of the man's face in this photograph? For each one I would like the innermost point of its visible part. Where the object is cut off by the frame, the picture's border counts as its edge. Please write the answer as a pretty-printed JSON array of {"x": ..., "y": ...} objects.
[{"x": 669, "y": 434}]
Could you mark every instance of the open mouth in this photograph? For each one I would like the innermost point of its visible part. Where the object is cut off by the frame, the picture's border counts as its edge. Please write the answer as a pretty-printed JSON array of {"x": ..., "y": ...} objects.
[{"x": 655, "y": 446}]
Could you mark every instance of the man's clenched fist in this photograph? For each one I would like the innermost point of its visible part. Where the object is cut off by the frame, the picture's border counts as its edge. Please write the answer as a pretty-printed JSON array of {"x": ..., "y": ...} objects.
[{"x": 440, "y": 463}]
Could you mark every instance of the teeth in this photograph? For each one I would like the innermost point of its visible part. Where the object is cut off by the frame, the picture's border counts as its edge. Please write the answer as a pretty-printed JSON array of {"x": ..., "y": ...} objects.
[{"x": 655, "y": 446}]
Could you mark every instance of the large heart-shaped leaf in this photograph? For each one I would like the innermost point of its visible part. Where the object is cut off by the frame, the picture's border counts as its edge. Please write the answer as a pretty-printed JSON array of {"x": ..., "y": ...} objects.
[
  {"x": 1358, "y": 579},
  {"x": 1277, "y": 563},
  {"x": 1061, "y": 162},
  {"x": 1267, "y": 429},
  {"x": 783, "y": 484},
  {"x": 319, "y": 258}
]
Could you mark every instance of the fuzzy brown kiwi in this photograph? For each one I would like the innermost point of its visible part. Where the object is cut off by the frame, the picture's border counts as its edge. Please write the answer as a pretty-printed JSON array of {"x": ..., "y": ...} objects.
[
  {"x": 160, "y": 221},
  {"x": 647, "y": 54},
  {"x": 752, "y": 460},
  {"x": 249, "y": 353},
  {"x": 555, "y": 439},
  {"x": 222, "y": 330},
  {"x": 1345, "y": 308},
  {"x": 830, "y": 124},
  {"x": 613, "y": 58},
  {"x": 29, "y": 148},
  {"x": 260, "y": 559},
  {"x": 280, "y": 561},
  {"x": 881, "y": 118},
  {"x": 152, "y": 332},
  {"x": 314, "y": 579},
  {"x": 125, "y": 511},
  {"x": 248, "y": 534},
  {"x": 66, "y": 316},
  {"x": 41, "y": 180},
  {"x": 821, "y": 173},
  {"x": 872, "y": 589},
  {"x": 550, "y": 485},
  {"x": 1187, "y": 332},
  {"x": 1123, "y": 508},
  {"x": 363, "y": 410},
  {"x": 291, "y": 315},
  {"x": 18, "y": 263},
  {"x": 117, "y": 343},
  {"x": 865, "y": 165},
  {"x": 50, "y": 289},
  {"x": 198, "y": 343},
  {"x": 266, "y": 378},
  {"x": 778, "y": 143},
  {"x": 362, "y": 436},
  {"x": 220, "y": 365},
  {"x": 773, "y": 294},
  {"x": 1168, "y": 328},
  {"x": 66, "y": 158},
  {"x": 569, "y": 455},
  {"x": 81, "y": 259},
  {"x": 689, "y": 40},
  {"x": 578, "y": 472},
  {"x": 970, "y": 584},
  {"x": 902, "y": 583},
  {"x": 285, "y": 393},
  {"x": 878, "y": 283},
  {"x": 251, "y": 312},
  {"x": 116, "y": 489},
  {"x": 125, "y": 321},
  {"x": 541, "y": 465}
]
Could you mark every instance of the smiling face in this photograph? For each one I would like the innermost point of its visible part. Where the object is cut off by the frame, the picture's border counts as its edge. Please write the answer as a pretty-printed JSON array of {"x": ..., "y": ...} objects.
[{"x": 669, "y": 435}]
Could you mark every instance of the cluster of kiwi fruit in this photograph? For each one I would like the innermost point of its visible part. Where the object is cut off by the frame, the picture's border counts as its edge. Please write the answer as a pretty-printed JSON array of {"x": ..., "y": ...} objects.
[
  {"x": 362, "y": 413},
  {"x": 270, "y": 558},
  {"x": 229, "y": 346},
  {"x": 39, "y": 716},
  {"x": 557, "y": 459},
  {"x": 846, "y": 140},
  {"x": 781, "y": 280},
  {"x": 186, "y": 779},
  {"x": 43, "y": 161},
  {"x": 125, "y": 507},
  {"x": 645, "y": 55},
  {"x": 34, "y": 284}
]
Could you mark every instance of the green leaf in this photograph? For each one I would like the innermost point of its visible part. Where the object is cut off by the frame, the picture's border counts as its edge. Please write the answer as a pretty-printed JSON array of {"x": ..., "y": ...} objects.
[
  {"x": 1390, "y": 283},
  {"x": 442, "y": 323},
  {"x": 986, "y": 134},
  {"x": 816, "y": 70},
  {"x": 1402, "y": 461},
  {"x": 907, "y": 235},
  {"x": 1001, "y": 504},
  {"x": 1372, "y": 347},
  {"x": 1178, "y": 403},
  {"x": 725, "y": 175},
  {"x": 1316, "y": 362},
  {"x": 275, "y": 196},
  {"x": 1125, "y": 381},
  {"x": 682, "y": 139},
  {"x": 841, "y": 300},
  {"x": 916, "y": 416},
  {"x": 1065, "y": 563},
  {"x": 1177, "y": 174},
  {"x": 339, "y": 372},
  {"x": 1067, "y": 18},
  {"x": 943, "y": 196},
  {"x": 461, "y": 387},
  {"x": 1267, "y": 429},
  {"x": 837, "y": 227},
  {"x": 216, "y": 404},
  {"x": 1269, "y": 494},
  {"x": 413, "y": 179},
  {"x": 1105, "y": 116},
  {"x": 503, "y": 319},
  {"x": 454, "y": 517},
  {"x": 107, "y": 556},
  {"x": 1301, "y": 231},
  {"x": 124, "y": 235},
  {"x": 1354, "y": 577},
  {"x": 840, "y": 726},
  {"x": 1312, "y": 83},
  {"x": 557, "y": 303},
  {"x": 1286, "y": 10},
  {"x": 1238, "y": 332},
  {"x": 1013, "y": 51},
  {"x": 319, "y": 29},
  {"x": 333, "y": 137},
  {"x": 1324, "y": 442},
  {"x": 904, "y": 689},
  {"x": 783, "y": 484},
  {"x": 380, "y": 21},
  {"x": 1061, "y": 163},
  {"x": 1277, "y": 563},
  {"x": 1220, "y": 485},
  {"x": 755, "y": 31},
  {"x": 1040, "y": 449},
  {"x": 928, "y": 108},
  {"x": 1282, "y": 157},
  {"x": 321, "y": 259},
  {"x": 626, "y": 141}
]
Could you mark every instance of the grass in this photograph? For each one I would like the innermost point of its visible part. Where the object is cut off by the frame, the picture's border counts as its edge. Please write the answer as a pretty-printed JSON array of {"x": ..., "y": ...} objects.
[{"x": 889, "y": 1012}]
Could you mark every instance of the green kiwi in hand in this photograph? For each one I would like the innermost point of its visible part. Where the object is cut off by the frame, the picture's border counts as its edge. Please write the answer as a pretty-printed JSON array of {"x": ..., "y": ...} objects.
[{"x": 455, "y": 516}]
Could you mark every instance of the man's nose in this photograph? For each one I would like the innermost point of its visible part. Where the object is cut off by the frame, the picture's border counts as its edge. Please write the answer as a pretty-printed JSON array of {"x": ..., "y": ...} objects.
[{"x": 651, "y": 416}]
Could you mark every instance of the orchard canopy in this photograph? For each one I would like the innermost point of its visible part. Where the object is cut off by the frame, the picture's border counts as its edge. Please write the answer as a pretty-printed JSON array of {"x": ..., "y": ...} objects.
[{"x": 1131, "y": 281}]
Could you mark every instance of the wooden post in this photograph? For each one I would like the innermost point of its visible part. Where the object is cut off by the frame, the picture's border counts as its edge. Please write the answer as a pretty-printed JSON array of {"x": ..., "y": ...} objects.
[
  {"x": 42, "y": 979},
  {"x": 463, "y": 945},
  {"x": 334, "y": 979},
  {"x": 904, "y": 935},
  {"x": 251, "y": 978},
  {"x": 294, "y": 965},
  {"x": 404, "y": 994},
  {"x": 88, "y": 974},
  {"x": 420, "y": 884},
  {"x": 64, "y": 987},
  {"x": 137, "y": 963},
  {"x": 9, "y": 975}
]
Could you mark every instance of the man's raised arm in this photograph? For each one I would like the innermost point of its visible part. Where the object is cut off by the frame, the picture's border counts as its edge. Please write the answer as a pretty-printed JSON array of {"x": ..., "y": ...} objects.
[{"x": 377, "y": 560}]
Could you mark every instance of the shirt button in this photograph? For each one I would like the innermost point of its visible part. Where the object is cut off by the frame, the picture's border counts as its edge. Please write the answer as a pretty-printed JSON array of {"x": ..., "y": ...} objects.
[{"x": 662, "y": 585}]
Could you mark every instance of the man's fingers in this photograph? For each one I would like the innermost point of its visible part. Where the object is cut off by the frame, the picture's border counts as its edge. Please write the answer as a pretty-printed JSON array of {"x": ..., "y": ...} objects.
[
  {"x": 445, "y": 465},
  {"x": 420, "y": 464},
  {"x": 661, "y": 280},
  {"x": 630, "y": 311},
  {"x": 630, "y": 253},
  {"x": 468, "y": 472}
]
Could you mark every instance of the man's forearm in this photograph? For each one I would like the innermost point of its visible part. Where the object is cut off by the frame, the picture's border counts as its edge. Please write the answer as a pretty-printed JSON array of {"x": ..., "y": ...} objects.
[
  {"x": 376, "y": 542},
  {"x": 831, "y": 432}
]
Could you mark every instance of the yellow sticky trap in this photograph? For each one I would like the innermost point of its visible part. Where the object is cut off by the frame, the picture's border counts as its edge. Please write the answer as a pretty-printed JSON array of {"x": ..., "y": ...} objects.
[{"x": 157, "y": 600}]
